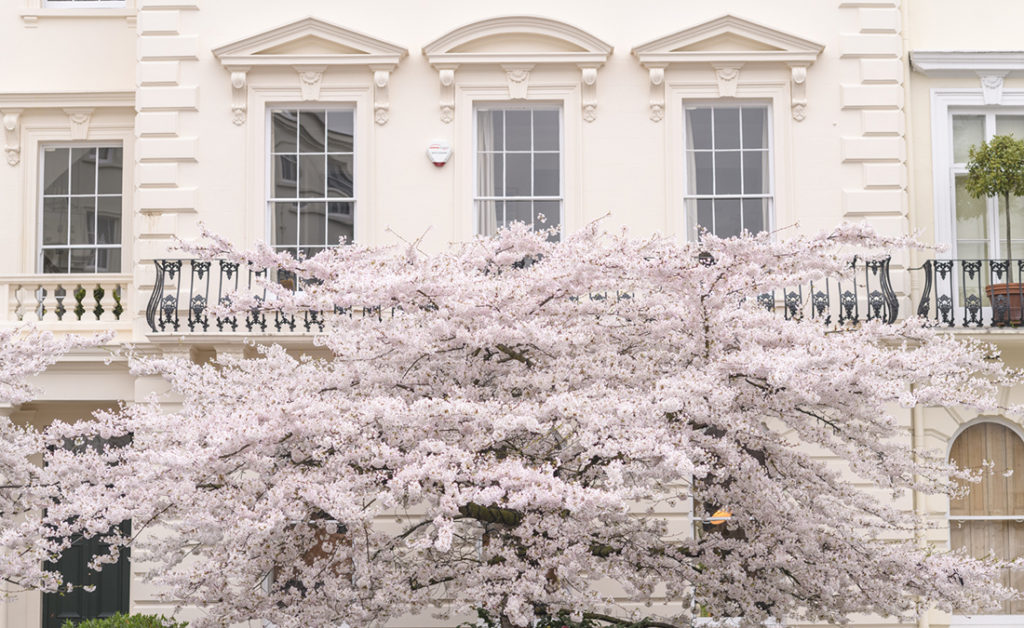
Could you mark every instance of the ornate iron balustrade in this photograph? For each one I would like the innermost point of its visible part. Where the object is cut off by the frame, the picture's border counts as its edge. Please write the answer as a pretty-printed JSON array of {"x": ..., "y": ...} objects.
[
  {"x": 185, "y": 289},
  {"x": 973, "y": 292},
  {"x": 869, "y": 295}
]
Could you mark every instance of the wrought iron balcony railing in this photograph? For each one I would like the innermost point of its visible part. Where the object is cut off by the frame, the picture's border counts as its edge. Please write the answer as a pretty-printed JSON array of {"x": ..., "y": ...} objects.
[
  {"x": 185, "y": 290},
  {"x": 973, "y": 292}
]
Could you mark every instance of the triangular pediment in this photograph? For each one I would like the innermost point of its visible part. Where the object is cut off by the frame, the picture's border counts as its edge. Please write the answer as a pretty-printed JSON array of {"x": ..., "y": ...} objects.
[
  {"x": 517, "y": 38},
  {"x": 729, "y": 37},
  {"x": 309, "y": 41}
]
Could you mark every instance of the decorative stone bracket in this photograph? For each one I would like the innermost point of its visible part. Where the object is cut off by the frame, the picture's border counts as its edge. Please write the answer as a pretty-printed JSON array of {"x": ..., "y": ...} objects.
[
  {"x": 589, "y": 93},
  {"x": 518, "y": 77},
  {"x": 992, "y": 86},
  {"x": 381, "y": 101},
  {"x": 12, "y": 135},
  {"x": 239, "y": 95},
  {"x": 447, "y": 78},
  {"x": 657, "y": 75},
  {"x": 798, "y": 91}
]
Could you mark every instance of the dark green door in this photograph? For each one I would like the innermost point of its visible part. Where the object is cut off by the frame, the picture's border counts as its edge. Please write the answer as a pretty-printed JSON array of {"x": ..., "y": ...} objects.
[{"x": 110, "y": 596}]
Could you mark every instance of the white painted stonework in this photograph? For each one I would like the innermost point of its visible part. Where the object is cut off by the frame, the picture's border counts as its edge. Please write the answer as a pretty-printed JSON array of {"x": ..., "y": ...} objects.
[{"x": 857, "y": 94}]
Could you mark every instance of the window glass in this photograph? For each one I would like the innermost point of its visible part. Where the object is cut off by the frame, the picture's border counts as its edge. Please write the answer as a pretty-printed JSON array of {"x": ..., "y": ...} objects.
[
  {"x": 312, "y": 192},
  {"x": 967, "y": 131},
  {"x": 518, "y": 167},
  {"x": 81, "y": 209},
  {"x": 728, "y": 186}
]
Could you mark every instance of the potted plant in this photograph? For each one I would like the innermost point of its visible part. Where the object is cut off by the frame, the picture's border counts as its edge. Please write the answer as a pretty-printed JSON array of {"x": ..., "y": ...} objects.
[{"x": 996, "y": 168}]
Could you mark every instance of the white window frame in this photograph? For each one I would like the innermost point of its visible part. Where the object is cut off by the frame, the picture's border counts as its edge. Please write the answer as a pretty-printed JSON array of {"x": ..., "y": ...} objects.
[
  {"x": 691, "y": 221},
  {"x": 40, "y": 194},
  {"x": 945, "y": 104},
  {"x": 268, "y": 198},
  {"x": 509, "y": 106},
  {"x": 682, "y": 91}
]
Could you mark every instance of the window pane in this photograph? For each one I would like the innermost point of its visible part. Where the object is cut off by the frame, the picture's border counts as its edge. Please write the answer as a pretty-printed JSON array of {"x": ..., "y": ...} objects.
[
  {"x": 285, "y": 173},
  {"x": 108, "y": 260},
  {"x": 83, "y": 170},
  {"x": 490, "y": 215},
  {"x": 55, "y": 260},
  {"x": 110, "y": 170},
  {"x": 545, "y": 174},
  {"x": 705, "y": 214},
  {"x": 521, "y": 211},
  {"x": 971, "y": 213},
  {"x": 517, "y": 129},
  {"x": 312, "y": 224},
  {"x": 551, "y": 212},
  {"x": 727, "y": 217},
  {"x": 311, "y": 176},
  {"x": 83, "y": 260},
  {"x": 755, "y": 127},
  {"x": 698, "y": 129},
  {"x": 285, "y": 131},
  {"x": 55, "y": 170},
  {"x": 967, "y": 131},
  {"x": 703, "y": 172},
  {"x": 727, "y": 173},
  {"x": 108, "y": 220},
  {"x": 286, "y": 224},
  {"x": 55, "y": 220},
  {"x": 490, "y": 174},
  {"x": 339, "y": 176},
  {"x": 755, "y": 172},
  {"x": 971, "y": 249},
  {"x": 312, "y": 131},
  {"x": 1010, "y": 125},
  {"x": 1016, "y": 225},
  {"x": 83, "y": 221},
  {"x": 755, "y": 214},
  {"x": 339, "y": 223},
  {"x": 489, "y": 130},
  {"x": 727, "y": 127},
  {"x": 339, "y": 131},
  {"x": 545, "y": 130},
  {"x": 517, "y": 174}
]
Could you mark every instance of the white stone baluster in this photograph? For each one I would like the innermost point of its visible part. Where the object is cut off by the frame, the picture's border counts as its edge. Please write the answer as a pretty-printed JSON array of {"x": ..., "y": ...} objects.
[
  {"x": 107, "y": 303},
  {"x": 88, "y": 303},
  {"x": 50, "y": 303},
  {"x": 29, "y": 303}
]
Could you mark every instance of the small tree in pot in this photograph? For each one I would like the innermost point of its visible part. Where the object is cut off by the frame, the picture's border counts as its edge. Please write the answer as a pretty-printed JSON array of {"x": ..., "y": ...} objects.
[{"x": 996, "y": 168}]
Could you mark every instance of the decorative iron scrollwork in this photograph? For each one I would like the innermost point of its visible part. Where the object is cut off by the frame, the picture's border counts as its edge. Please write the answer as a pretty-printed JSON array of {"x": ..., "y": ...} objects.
[{"x": 766, "y": 300}]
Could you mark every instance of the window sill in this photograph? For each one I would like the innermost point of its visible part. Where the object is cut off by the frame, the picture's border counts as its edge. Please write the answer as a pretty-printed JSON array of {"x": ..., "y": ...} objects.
[
  {"x": 31, "y": 17},
  {"x": 985, "y": 621}
]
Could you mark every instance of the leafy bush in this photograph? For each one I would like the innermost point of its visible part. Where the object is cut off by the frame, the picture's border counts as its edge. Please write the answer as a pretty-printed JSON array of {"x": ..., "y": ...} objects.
[{"x": 127, "y": 621}]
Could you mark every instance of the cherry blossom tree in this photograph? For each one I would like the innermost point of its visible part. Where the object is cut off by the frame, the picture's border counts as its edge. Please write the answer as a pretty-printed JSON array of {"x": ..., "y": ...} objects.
[
  {"x": 24, "y": 490},
  {"x": 508, "y": 426}
]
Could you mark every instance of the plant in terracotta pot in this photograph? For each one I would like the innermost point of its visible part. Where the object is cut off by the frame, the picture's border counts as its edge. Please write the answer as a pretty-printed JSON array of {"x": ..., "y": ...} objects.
[{"x": 996, "y": 168}]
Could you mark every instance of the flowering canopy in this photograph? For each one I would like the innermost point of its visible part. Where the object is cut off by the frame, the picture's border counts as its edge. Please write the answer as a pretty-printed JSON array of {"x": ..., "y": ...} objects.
[
  {"x": 512, "y": 426},
  {"x": 24, "y": 492}
]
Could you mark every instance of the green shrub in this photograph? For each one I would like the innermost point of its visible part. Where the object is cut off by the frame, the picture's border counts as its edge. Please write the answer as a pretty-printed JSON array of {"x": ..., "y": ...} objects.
[{"x": 127, "y": 621}]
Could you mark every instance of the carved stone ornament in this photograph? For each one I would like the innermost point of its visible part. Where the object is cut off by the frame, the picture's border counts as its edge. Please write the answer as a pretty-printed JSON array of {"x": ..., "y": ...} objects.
[
  {"x": 798, "y": 92},
  {"x": 727, "y": 75},
  {"x": 310, "y": 80},
  {"x": 657, "y": 76},
  {"x": 518, "y": 80},
  {"x": 589, "y": 93},
  {"x": 239, "y": 96},
  {"x": 992, "y": 88},
  {"x": 12, "y": 135},
  {"x": 447, "y": 78},
  {"x": 381, "y": 104},
  {"x": 79, "y": 119}
]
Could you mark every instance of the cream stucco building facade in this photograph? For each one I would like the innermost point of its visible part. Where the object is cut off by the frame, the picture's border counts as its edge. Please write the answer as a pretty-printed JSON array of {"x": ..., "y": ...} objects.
[{"x": 126, "y": 123}]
